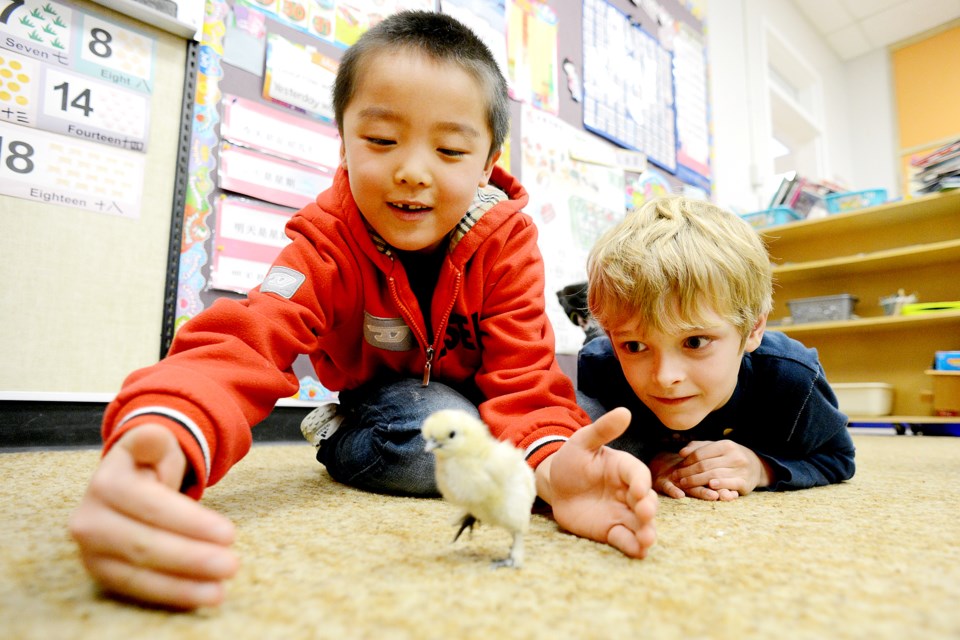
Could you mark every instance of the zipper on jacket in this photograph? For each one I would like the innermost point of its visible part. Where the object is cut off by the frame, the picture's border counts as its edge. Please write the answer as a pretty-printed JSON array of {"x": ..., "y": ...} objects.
[
  {"x": 427, "y": 366},
  {"x": 430, "y": 351}
]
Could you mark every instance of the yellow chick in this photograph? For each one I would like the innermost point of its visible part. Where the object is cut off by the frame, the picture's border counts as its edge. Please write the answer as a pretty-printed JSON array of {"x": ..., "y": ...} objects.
[{"x": 489, "y": 479}]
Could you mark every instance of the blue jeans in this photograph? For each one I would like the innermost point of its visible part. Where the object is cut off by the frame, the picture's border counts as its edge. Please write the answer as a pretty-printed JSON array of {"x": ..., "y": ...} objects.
[{"x": 378, "y": 447}]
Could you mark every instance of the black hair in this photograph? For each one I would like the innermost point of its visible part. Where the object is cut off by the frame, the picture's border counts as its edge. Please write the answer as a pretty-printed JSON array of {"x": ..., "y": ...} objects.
[{"x": 444, "y": 39}]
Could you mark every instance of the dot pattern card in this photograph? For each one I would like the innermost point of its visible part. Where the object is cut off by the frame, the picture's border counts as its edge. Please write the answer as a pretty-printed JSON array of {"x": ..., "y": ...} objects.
[
  {"x": 19, "y": 89},
  {"x": 36, "y": 165}
]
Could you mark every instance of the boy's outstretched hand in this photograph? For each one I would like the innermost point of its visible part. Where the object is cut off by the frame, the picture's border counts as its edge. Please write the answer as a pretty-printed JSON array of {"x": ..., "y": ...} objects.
[
  {"x": 142, "y": 539},
  {"x": 598, "y": 492}
]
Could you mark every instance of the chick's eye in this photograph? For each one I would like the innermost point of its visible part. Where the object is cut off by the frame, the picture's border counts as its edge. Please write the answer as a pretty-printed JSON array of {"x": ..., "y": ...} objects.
[{"x": 453, "y": 434}]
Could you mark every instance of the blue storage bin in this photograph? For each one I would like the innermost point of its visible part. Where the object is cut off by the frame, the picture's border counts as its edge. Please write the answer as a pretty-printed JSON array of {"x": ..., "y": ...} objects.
[
  {"x": 947, "y": 361},
  {"x": 853, "y": 200},
  {"x": 770, "y": 217}
]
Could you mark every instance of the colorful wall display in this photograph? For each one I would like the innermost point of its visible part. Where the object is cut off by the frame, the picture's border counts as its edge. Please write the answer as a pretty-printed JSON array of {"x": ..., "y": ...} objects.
[{"x": 73, "y": 83}]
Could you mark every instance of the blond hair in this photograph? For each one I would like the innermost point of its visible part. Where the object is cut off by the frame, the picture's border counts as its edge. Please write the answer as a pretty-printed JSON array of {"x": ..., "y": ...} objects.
[{"x": 669, "y": 263}]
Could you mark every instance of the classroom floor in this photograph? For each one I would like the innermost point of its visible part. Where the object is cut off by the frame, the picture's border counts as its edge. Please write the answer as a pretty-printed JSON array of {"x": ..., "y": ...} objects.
[{"x": 875, "y": 557}]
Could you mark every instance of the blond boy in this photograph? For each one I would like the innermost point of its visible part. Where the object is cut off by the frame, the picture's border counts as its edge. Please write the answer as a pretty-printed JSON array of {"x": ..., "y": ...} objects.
[{"x": 720, "y": 406}]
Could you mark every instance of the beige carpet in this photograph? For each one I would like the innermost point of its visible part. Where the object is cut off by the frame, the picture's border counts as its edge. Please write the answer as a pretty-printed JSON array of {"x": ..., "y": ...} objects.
[{"x": 877, "y": 557}]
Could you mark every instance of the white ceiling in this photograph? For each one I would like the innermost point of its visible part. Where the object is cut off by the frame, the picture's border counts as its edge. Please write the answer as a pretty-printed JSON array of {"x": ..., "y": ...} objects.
[{"x": 855, "y": 27}]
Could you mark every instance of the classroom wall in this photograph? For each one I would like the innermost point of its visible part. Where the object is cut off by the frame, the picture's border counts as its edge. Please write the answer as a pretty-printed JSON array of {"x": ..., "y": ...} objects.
[
  {"x": 856, "y": 110},
  {"x": 926, "y": 102},
  {"x": 83, "y": 293},
  {"x": 81, "y": 302}
]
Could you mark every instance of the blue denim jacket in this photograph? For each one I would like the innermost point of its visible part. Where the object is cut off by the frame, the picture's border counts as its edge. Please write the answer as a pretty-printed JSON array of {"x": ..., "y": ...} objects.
[{"x": 782, "y": 409}]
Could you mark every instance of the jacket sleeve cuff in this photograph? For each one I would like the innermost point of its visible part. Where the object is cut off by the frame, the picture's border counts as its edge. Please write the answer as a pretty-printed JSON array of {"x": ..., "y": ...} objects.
[
  {"x": 542, "y": 448},
  {"x": 189, "y": 436}
]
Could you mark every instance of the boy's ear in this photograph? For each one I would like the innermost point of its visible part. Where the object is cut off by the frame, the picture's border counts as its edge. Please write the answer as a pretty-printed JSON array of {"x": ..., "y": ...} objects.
[
  {"x": 756, "y": 335},
  {"x": 343, "y": 154},
  {"x": 488, "y": 168}
]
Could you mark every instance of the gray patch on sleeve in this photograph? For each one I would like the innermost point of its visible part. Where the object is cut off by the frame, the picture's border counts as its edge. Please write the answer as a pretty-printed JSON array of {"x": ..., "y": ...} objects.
[{"x": 282, "y": 281}]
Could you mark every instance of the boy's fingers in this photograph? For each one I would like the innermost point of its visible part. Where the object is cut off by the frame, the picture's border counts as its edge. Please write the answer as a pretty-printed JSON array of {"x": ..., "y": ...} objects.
[
  {"x": 670, "y": 489},
  {"x": 146, "y": 547},
  {"x": 623, "y": 539},
  {"x": 145, "y": 585},
  {"x": 160, "y": 506},
  {"x": 703, "y": 493},
  {"x": 693, "y": 446},
  {"x": 119, "y": 485},
  {"x": 607, "y": 427}
]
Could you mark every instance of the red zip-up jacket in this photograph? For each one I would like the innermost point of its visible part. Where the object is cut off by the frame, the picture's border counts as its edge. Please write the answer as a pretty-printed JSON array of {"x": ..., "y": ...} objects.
[{"x": 338, "y": 294}]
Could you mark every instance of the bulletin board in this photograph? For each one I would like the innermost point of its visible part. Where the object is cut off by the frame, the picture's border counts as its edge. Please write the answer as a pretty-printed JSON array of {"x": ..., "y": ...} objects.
[
  {"x": 90, "y": 107},
  {"x": 263, "y": 142}
]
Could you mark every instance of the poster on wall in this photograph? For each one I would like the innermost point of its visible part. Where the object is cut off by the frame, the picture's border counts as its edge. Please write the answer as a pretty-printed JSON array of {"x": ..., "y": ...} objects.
[
  {"x": 693, "y": 106},
  {"x": 532, "y": 54},
  {"x": 75, "y": 74},
  {"x": 74, "y": 108},
  {"x": 486, "y": 18},
  {"x": 572, "y": 201},
  {"x": 45, "y": 167},
  {"x": 339, "y": 22},
  {"x": 248, "y": 238},
  {"x": 299, "y": 77},
  {"x": 628, "y": 93}
]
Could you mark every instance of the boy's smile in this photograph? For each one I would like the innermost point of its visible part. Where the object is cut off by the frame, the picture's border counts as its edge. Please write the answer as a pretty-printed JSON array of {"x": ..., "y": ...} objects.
[
  {"x": 415, "y": 144},
  {"x": 683, "y": 377}
]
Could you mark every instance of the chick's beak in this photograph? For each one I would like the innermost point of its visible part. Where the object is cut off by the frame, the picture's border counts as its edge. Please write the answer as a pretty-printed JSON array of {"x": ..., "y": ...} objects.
[{"x": 431, "y": 444}]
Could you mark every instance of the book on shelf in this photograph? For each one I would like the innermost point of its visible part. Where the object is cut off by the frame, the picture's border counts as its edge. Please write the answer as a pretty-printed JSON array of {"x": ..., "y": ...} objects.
[
  {"x": 783, "y": 191},
  {"x": 946, "y": 152},
  {"x": 803, "y": 195},
  {"x": 936, "y": 171}
]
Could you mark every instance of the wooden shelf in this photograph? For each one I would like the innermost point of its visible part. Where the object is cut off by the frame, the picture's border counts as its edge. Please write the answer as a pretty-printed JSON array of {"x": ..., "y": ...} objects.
[
  {"x": 894, "y": 225},
  {"x": 923, "y": 255},
  {"x": 905, "y": 419},
  {"x": 877, "y": 323},
  {"x": 916, "y": 210},
  {"x": 912, "y": 245}
]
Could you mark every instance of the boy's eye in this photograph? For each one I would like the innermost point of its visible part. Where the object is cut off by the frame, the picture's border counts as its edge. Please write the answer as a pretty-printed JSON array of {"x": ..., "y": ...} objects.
[
  {"x": 633, "y": 346},
  {"x": 452, "y": 153},
  {"x": 697, "y": 342},
  {"x": 381, "y": 142}
]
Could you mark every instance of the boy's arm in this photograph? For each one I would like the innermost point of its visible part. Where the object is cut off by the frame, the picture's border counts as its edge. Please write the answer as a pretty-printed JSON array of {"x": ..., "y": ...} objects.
[
  {"x": 818, "y": 449},
  {"x": 226, "y": 370},
  {"x": 140, "y": 538},
  {"x": 529, "y": 400},
  {"x": 600, "y": 493},
  {"x": 833, "y": 462}
]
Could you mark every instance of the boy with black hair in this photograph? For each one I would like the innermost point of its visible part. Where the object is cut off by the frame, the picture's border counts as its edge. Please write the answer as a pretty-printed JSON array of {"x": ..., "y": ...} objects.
[{"x": 414, "y": 283}]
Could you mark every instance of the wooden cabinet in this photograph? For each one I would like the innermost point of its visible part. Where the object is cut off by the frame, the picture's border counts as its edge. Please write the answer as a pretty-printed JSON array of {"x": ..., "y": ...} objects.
[{"x": 912, "y": 245}]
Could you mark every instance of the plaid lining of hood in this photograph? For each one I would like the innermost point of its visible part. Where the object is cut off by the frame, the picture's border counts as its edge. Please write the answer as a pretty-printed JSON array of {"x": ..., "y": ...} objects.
[{"x": 487, "y": 197}]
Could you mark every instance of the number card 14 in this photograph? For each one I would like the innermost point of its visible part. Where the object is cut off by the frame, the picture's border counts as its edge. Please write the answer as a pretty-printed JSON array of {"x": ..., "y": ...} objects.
[{"x": 58, "y": 100}]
